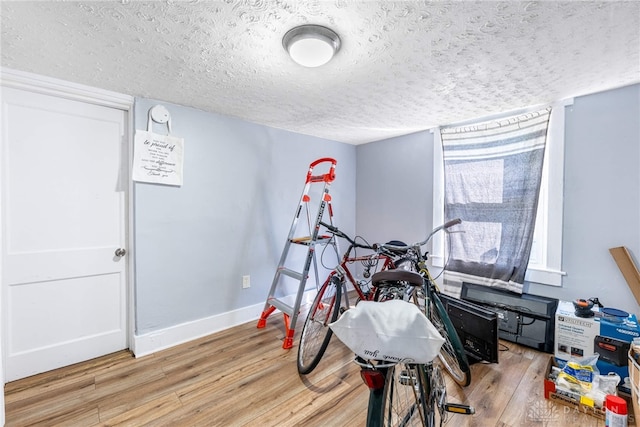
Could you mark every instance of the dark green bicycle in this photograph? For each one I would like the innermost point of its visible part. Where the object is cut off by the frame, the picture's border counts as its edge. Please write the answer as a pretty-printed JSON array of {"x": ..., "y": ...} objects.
[{"x": 414, "y": 394}]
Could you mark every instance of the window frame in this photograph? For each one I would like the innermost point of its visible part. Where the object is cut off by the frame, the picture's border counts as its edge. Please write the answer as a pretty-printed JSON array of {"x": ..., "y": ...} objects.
[{"x": 548, "y": 270}]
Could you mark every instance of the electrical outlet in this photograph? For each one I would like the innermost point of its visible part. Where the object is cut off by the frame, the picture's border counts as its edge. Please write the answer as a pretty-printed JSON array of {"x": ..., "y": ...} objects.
[{"x": 246, "y": 282}]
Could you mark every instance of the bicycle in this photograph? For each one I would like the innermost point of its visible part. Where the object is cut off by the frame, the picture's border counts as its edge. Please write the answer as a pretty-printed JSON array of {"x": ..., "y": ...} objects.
[
  {"x": 326, "y": 305},
  {"x": 405, "y": 393},
  {"x": 452, "y": 354}
]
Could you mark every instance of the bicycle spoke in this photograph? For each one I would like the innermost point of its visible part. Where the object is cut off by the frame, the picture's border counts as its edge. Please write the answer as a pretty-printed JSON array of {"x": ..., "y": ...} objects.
[
  {"x": 404, "y": 397},
  {"x": 439, "y": 393}
]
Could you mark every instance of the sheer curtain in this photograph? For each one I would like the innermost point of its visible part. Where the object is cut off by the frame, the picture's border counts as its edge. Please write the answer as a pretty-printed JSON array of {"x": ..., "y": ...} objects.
[{"x": 492, "y": 174}]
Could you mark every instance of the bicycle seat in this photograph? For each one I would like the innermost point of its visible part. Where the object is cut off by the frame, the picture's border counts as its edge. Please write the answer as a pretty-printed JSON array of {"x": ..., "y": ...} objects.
[
  {"x": 391, "y": 277},
  {"x": 397, "y": 243}
]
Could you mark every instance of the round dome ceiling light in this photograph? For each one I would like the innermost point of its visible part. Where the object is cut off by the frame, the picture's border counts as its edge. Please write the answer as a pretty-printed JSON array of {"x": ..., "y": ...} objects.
[{"x": 311, "y": 45}]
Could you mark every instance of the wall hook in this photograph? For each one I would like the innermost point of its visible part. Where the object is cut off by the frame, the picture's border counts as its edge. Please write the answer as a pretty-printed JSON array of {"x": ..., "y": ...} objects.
[{"x": 159, "y": 114}]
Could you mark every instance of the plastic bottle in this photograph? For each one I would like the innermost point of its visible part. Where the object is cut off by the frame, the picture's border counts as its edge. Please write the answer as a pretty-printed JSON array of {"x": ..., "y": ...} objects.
[{"x": 616, "y": 411}]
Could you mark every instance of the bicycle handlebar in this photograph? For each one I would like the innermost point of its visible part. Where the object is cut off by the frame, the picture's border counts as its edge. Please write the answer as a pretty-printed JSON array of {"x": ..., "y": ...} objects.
[
  {"x": 451, "y": 223},
  {"x": 444, "y": 226},
  {"x": 387, "y": 246},
  {"x": 334, "y": 230}
]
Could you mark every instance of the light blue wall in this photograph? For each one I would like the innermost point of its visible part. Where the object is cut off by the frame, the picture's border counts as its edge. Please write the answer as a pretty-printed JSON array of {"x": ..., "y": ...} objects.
[
  {"x": 601, "y": 196},
  {"x": 394, "y": 188},
  {"x": 242, "y": 184},
  {"x": 601, "y": 203}
]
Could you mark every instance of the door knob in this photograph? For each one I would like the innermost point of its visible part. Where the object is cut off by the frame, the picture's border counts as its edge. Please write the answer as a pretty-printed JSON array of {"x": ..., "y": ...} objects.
[{"x": 121, "y": 252}]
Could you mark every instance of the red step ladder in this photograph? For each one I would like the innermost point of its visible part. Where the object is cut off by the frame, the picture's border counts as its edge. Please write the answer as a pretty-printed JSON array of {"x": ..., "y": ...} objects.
[{"x": 309, "y": 240}]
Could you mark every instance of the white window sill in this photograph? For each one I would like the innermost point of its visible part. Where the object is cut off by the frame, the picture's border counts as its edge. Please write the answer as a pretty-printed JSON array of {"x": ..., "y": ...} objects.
[
  {"x": 540, "y": 275},
  {"x": 437, "y": 260},
  {"x": 544, "y": 276}
]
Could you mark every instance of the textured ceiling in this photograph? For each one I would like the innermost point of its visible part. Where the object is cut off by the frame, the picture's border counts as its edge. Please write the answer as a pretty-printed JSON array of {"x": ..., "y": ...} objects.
[{"x": 404, "y": 66}]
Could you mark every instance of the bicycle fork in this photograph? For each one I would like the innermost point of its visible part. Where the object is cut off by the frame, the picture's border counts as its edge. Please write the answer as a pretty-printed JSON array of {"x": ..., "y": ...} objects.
[{"x": 339, "y": 278}]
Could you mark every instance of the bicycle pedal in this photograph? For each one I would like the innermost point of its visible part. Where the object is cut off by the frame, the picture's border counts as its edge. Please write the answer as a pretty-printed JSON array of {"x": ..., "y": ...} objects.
[{"x": 456, "y": 408}]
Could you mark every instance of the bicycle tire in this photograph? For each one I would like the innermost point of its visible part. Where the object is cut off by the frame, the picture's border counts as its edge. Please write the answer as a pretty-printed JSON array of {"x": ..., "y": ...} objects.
[
  {"x": 404, "y": 398},
  {"x": 452, "y": 354},
  {"x": 316, "y": 333}
]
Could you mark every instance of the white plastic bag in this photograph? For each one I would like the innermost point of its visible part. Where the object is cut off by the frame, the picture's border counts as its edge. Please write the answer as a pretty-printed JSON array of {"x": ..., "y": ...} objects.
[{"x": 391, "y": 331}]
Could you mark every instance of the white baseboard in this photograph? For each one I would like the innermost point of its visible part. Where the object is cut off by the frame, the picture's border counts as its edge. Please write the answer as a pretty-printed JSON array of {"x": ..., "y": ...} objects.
[
  {"x": 146, "y": 344},
  {"x": 152, "y": 342}
]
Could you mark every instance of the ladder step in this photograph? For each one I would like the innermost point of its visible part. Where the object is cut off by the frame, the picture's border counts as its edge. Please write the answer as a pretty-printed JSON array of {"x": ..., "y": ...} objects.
[
  {"x": 291, "y": 273},
  {"x": 283, "y": 307},
  {"x": 307, "y": 241}
]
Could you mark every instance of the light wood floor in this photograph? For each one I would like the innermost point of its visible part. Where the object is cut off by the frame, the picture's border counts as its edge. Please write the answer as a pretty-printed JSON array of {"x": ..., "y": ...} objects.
[{"x": 243, "y": 377}]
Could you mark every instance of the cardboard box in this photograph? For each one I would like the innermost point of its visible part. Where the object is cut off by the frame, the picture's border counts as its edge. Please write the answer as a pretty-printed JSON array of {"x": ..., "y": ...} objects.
[
  {"x": 624, "y": 330},
  {"x": 574, "y": 336},
  {"x": 634, "y": 378},
  {"x": 552, "y": 393},
  {"x": 555, "y": 395}
]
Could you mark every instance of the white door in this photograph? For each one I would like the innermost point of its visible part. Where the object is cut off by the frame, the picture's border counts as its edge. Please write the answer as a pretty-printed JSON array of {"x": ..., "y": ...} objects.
[{"x": 63, "y": 218}]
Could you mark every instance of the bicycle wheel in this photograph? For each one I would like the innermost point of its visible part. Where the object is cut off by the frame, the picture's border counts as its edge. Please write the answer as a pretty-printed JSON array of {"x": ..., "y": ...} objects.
[
  {"x": 316, "y": 332},
  {"x": 404, "y": 399},
  {"x": 452, "y": 353}
]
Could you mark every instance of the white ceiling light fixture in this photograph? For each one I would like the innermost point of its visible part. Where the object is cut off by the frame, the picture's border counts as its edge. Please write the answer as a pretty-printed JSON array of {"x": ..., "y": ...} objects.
[{"x": 311, "y": 45}]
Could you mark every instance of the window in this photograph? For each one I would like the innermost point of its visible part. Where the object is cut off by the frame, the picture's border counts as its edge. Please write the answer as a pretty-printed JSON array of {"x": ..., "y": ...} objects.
[{"x": 546, "y": 253}]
